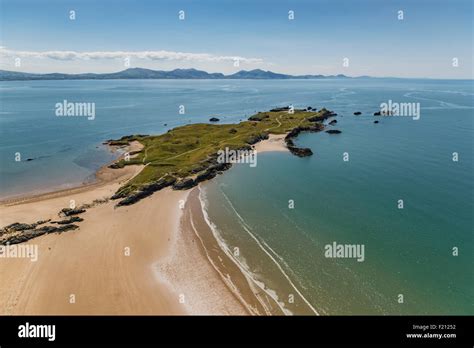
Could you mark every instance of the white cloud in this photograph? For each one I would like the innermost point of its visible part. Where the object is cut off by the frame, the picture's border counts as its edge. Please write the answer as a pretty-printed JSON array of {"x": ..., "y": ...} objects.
[{"x": 152, "y": 55}]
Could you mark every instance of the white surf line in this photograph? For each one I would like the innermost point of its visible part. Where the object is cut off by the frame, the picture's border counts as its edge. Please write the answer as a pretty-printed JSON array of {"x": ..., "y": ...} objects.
[
  {"x": 270, "y": 256},
  {"x": 226, "y": 280},
  {"x": 248, "y": 275}
]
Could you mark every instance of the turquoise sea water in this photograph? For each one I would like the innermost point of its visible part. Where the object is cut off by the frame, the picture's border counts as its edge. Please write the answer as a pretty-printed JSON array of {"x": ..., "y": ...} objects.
[{"x": 407, "y": 251}]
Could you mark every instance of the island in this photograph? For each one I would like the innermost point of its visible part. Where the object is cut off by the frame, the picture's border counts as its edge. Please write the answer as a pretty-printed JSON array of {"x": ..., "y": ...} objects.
[
  {"x": 187, "y": 155},
  {"x": 181, "y": 158}
]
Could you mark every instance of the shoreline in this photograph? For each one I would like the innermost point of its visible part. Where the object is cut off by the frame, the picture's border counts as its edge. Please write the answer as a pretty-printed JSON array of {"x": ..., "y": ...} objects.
[
  {"x": 150, "y": 284},
  {"x": 103, "y": 176}
]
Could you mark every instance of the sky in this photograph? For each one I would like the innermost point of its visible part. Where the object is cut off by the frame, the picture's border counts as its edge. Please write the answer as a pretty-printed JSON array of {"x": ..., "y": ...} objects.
[{"x": 431, "y": 38}]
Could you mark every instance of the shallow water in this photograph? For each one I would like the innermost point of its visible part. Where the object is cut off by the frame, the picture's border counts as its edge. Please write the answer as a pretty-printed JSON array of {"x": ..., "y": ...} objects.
[{"x": 407, "y": 251}]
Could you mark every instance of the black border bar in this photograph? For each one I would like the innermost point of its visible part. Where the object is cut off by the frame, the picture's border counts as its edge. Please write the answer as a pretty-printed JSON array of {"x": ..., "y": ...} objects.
[{"x": 222, "y": 330}]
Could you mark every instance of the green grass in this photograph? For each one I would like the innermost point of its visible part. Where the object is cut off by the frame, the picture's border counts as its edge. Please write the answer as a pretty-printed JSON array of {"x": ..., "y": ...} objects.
[{"x": 185, "y": 149}]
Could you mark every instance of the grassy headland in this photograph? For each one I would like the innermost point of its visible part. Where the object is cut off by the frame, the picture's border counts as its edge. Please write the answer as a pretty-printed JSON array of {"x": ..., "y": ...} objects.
[
  {"x": 181, "y": 158},
  {"x": 186, "y": 155}
]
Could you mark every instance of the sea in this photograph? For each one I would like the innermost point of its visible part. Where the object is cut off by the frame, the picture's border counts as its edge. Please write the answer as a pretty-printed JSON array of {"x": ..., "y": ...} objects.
[{"x": 400, "y": 190}]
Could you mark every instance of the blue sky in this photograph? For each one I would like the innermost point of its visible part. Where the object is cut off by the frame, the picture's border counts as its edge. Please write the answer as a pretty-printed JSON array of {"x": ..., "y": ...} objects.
[{"x": 214, "y": 33}]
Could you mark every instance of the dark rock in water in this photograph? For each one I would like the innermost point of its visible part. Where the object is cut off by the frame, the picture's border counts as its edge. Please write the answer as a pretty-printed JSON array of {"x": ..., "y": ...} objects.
[
  {"x": 68, "y": 221},
  {"x": 207, "y": 175},
  {"x": 324, "y": 114},
  {"x": 233, "y": 131},
  {"x": 220, "y": 167},
  {"x": 377, "y": 113},
  {"x": 214, "y": 119},
  {"x": 296, "y": 131},
  {"x": 333, "y": 122},
  {"x": 166, "y": 124},
  {"x": 184, "y": 184},
  {"x": 333, "y": 131},
  {"x": 300, "y": 151},
  {"x": 376, "y": 121},
  {"x": 69, "y": 211},
  {"x": 29, "y": 159},
  {"x": 357, "y": 113}
]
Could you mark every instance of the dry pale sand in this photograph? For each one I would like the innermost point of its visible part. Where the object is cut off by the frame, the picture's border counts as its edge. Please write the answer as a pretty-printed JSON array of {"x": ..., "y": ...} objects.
[
  {"x": 127, "y": 260},
  {"x": 91, "y": 263},
  {"x": 275, "y": 142}
]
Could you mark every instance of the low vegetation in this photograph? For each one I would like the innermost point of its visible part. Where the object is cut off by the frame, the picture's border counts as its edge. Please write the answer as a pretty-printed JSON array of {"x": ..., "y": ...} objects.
[{"x": 186, "y": 155}]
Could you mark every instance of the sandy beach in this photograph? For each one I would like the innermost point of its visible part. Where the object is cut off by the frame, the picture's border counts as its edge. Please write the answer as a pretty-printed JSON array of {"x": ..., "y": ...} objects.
[
  {"x": 141, "y": 259},
  {"x": 275, "y": 142}
]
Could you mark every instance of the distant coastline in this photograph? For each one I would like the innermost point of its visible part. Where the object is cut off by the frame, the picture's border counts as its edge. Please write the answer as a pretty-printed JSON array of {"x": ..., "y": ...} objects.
[
  {"x": 191, "y": 74},
  {"x": 141, "y": 73}
]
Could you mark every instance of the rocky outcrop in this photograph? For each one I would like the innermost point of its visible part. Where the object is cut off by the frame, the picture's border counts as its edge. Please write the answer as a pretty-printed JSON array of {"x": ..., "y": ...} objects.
[
  {"x": 212, "y": 172},
  {"x": 69, "y": 211},
  {"x": 284, "y": 108},
  {"x": 184, "y": 184},
  {"x": 256, "y": 138},
  {"x": 144, "y": 191},
  {"x": 357, "y": 113},
  {"x": 68, "y": 221},
  {"x": 376, "y": 121},
  {"x": 206, "y": 175},
  {"x": 296, "y": 131},
  {"x": 333, "y": 131},
  {"x": 15, "y": 227},
  {"x": 300, "y": 151},
  {"x": 259, "y": 117},
  {"x": 323, "y": 115},
  {"x": 214, "y": 119},
  {"x": 377, "y": 113},
  {"x": 41, "y": 222},
  {"x": 333, "y": 122},
  {"x": 21, "y": 236}
]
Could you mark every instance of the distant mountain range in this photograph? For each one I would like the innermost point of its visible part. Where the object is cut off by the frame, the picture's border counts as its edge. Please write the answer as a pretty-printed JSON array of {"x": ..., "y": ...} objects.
[{"x": 140, "y": 73}]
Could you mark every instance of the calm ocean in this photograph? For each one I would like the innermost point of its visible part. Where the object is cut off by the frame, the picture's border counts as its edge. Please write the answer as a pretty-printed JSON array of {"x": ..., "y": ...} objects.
[{"x": 407, "y": 251}]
